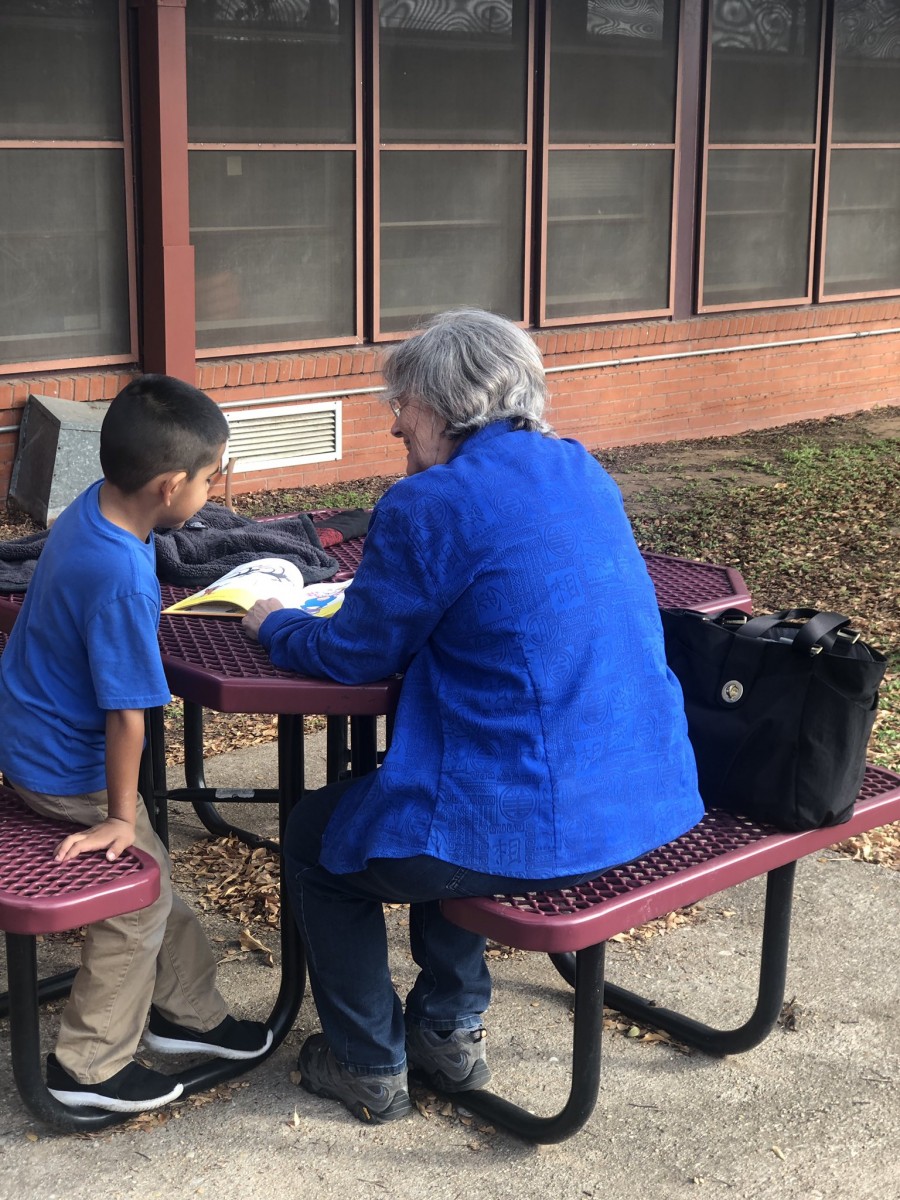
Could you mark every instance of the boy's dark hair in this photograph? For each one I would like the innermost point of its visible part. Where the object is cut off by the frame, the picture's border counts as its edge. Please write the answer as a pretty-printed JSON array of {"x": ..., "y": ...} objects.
[{"x": 158, "y": 424}]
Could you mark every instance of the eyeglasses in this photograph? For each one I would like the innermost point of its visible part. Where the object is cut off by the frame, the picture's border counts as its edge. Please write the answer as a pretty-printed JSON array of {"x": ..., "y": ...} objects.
[{"x": 395, "y": 407}]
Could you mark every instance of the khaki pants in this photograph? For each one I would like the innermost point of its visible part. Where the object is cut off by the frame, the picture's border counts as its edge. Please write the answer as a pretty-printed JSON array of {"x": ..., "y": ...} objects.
[{"x": 158, "y": 954}]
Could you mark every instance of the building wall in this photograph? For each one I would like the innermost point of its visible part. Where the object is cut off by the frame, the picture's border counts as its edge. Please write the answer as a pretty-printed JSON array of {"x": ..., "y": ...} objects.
[{"x": 610, "y": 385}]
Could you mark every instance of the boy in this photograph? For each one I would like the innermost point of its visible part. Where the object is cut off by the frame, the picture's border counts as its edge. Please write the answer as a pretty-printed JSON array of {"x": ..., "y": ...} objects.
[{"x": 81, "y": 665}]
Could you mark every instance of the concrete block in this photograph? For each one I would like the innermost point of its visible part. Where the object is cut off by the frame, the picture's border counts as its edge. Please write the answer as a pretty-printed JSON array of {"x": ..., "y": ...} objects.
[{"x": 58, "y": 454}]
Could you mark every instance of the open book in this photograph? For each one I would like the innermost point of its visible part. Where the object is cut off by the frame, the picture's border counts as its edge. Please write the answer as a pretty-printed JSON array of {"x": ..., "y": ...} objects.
[{"x": 234, "y": 594}]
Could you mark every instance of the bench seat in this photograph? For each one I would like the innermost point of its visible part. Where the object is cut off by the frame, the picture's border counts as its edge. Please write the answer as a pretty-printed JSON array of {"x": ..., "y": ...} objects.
[
  {"x": 39, "y": 895},
  {"x": 574, "y": 924}
]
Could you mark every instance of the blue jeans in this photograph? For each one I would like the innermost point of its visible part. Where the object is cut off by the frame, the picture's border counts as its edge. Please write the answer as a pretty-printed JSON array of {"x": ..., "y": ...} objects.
[{"x": 341, "y": 921}]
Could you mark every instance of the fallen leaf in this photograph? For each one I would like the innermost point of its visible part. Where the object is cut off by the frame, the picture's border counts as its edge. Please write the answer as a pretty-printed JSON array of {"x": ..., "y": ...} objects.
[{"x": 249, "y": 942}]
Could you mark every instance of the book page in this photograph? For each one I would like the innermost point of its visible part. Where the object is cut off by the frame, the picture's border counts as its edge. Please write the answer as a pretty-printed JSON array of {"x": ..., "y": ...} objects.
[{"x": 235, "y": 594}]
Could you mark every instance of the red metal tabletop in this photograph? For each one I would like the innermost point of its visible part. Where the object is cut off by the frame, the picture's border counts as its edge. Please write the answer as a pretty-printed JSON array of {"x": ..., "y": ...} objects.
[
  {"x": 209, "y": 660},
  {"x": 212, "y": 662}
]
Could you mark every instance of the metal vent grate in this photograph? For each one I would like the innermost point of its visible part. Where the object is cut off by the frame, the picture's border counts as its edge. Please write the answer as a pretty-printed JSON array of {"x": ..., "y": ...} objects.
[{"x": 284, "y": 436}]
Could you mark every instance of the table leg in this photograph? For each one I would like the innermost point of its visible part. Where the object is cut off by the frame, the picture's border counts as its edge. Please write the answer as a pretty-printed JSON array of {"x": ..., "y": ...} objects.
[
  {"x": 196, "y": 793},
  {"x": 152, "y": 775},
  {"x": 293, "y": 960},
  {"x": 363, "y": 745},
  {"x": 337, "y": 749}
]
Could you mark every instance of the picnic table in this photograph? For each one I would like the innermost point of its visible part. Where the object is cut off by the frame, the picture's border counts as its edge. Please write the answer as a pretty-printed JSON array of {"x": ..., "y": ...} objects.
[{"x": 210, "y": 663}]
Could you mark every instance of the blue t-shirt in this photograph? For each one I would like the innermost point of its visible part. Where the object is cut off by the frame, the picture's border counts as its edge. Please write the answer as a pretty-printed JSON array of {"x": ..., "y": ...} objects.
[
  {"x": 539, "y": 732},
  {"x": 84, "y": 643}
]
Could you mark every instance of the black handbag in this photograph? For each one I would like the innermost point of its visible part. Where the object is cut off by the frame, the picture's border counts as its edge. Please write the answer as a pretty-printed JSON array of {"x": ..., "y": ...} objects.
[{"x": 779, "y": 711}]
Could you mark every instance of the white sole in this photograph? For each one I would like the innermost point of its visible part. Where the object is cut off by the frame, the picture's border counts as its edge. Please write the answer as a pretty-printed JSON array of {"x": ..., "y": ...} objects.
[
  {"x": 167, "y": 1045},
  {"x": 111, "y": 1103}
]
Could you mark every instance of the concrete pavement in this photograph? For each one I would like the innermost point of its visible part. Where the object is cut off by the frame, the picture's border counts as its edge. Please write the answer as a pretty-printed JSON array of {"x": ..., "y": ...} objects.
[{"x": 812, "y": 1114}]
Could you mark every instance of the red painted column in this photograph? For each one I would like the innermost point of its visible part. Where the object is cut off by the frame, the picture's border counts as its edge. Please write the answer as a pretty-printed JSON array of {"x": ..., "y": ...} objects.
[{"x": 167, "y": 256}]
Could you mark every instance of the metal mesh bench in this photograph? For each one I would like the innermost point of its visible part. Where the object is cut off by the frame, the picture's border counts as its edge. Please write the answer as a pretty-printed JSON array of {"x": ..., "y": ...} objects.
[
  {"x": 574, "y": 925},
  {"x": 39, "y": 895}
]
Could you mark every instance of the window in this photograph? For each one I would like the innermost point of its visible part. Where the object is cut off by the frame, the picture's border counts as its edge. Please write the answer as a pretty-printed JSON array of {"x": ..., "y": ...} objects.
[
  {"x": 610, "y": 159},
  {"x": 65, "y": 286},
  {"x": 762, "y": 127},
  {"x": 452, "y": 158},
  {"x": 357, "y": 166},
  {"x": 275, "y": 172},
  {"x": 862, "y": 229}
]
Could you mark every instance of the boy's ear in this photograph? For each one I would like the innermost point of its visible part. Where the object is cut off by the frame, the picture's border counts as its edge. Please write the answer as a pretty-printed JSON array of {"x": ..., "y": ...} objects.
[{"x": 170, "y": 484}]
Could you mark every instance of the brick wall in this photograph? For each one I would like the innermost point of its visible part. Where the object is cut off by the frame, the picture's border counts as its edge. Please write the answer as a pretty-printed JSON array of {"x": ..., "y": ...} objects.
[{"x": 705, "y": 377}]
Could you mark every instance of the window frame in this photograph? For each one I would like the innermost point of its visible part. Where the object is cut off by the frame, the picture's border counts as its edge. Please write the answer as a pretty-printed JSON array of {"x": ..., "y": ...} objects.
[
  {"x": 543, "y": 321},
  {"x": 814, "y": 146},
  {"x": 152, "y": 308},
  {"x": 125, "y": 145},
  {"x": 829, "y": 145},
  {"x": 356, "y": 148},
  {"x": 379, "y": 335}
]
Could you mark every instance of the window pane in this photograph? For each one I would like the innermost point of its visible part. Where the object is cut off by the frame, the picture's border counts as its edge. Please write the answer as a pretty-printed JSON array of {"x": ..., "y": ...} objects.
[
  {"x": 757, "y": 225},
  {"x": 453, "y": 70},
  {"x": 765, "y": 63},
  {"x": 866, "y": 71},
  {"x": 59, "y": 70},
  {"x": 863, "y": 247},
  {"x": 608, "y": 230},
  {"x": 452, "y": 233},
  {"x": 63, "y": 257},
  {"x": 613, "y": 70},
  {"x": 274, "y": 238},
  {"x": 270, "y": 73}
]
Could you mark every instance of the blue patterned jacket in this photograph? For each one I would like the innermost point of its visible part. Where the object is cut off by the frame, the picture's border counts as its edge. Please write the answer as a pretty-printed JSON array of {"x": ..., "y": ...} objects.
[{"x": 539, "y": 732}]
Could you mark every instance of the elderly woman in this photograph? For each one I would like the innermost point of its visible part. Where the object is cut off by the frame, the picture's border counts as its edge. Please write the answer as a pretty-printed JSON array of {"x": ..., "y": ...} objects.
[{"x": 539, "y": 738}]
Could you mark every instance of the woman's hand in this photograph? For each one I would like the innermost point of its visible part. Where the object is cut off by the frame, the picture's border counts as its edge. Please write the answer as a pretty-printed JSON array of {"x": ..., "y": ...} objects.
[{"x": 258, "y": 614}]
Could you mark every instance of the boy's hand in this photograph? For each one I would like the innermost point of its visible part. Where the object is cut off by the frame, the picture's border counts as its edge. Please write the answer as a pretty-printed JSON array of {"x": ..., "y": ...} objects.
[
  {"x": 258, "y": 614},
  {"x": 112, "y": 835}
]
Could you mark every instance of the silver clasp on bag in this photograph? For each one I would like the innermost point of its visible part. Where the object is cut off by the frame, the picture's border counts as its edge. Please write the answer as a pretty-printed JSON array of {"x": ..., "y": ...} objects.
[
  {"x": 733, "y": 620},
  {"x": 732, "y": 691},
  {"x": 849, "y": 635}
]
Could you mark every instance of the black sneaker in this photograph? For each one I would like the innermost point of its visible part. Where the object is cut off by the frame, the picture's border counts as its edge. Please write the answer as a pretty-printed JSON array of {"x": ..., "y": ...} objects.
[
  {"x": 230, "y": 1038},
  {"x": 450, "y": 1062},
  {"x": 371, "y": 1098},
  {"x": 133, "y": 1089}
]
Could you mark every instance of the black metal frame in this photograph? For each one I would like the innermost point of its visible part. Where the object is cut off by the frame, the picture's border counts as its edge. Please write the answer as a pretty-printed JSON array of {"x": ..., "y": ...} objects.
[
  {"x": 26, "y": 993},
  {"x": 351, "y": 748},
  {"x": 197, "y": 793},
  {"x": 585, "y": 971}
]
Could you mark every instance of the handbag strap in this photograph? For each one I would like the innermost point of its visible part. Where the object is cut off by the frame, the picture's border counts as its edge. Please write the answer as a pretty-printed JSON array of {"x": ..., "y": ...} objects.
[{"x": 817, "y": 633}]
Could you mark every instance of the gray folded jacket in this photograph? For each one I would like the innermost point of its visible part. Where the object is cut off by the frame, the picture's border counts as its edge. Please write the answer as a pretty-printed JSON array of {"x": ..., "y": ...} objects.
[
  {"x": 216, "y": 540},
  {"x": 207, "y": 546},
  {"x": 18, "y": 560}
]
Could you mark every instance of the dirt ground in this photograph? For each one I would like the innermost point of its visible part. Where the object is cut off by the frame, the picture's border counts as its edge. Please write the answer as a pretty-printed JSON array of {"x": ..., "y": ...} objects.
[{"x": 727, "y": 461}]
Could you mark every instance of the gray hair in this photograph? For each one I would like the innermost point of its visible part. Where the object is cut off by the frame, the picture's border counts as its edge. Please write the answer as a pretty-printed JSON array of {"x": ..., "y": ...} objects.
[{"x": 472, "y": 368}]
